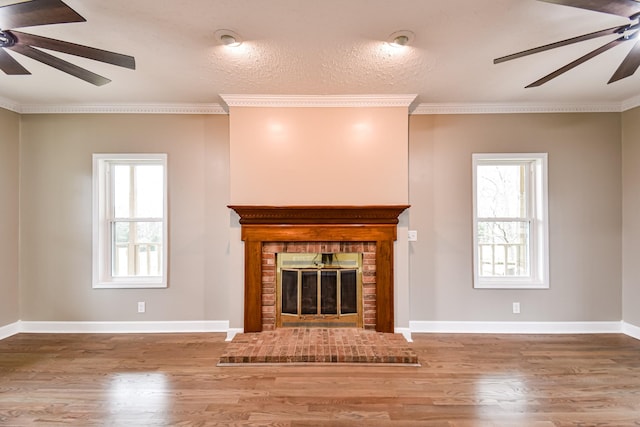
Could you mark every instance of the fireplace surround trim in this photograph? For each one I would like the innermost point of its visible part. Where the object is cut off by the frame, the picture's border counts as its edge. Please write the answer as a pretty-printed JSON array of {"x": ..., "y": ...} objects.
[{"x": 371, "y": 223}]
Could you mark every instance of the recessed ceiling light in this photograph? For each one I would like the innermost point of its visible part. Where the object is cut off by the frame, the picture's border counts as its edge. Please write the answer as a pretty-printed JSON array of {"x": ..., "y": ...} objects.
[
  {"x": 400, "y": 38},
  {"x": 228, "y": 38}
]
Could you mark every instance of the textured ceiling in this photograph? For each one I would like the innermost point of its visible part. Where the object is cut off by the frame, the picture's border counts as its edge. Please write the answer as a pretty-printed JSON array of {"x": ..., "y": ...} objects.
[{"x": 308, "y": 47}]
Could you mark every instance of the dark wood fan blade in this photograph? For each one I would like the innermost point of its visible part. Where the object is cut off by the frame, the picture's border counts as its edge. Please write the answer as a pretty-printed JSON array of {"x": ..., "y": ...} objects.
[
  {"x": 625, "y": 8},
  {"x": 629, "y": 65},
  {"x": 9, "y": 65},
  {"x": 60, "y": 64},
  {"x": 76, "y": 49},
  {"x": 601, "y": 33},
  {"x": 37, "y": 12},
  {"x": 578, "y": 61}
]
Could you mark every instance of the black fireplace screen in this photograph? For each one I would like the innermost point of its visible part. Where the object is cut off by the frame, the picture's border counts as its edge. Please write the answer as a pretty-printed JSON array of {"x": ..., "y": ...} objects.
[{"x": 319, "y": 292}]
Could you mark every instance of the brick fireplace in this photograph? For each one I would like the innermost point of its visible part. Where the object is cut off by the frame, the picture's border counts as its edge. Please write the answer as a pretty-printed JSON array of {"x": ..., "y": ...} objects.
[
  {"x": 267, "y": 230},
  {"x": 366, "y": 316}
]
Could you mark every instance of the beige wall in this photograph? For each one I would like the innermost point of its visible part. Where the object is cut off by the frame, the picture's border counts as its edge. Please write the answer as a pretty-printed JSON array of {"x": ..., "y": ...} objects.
[
  {"x": 585, "y": 163},
  {"x": 9, "y": 198},
  {"x": 584, "y": 209},
  {"x": 631, "y": 213},
  {"x": 55, "y": 255},
  {"x": 319, "y": 155}
]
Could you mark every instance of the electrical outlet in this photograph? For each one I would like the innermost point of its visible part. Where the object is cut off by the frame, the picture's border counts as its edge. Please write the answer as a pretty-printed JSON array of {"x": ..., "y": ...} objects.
[
  {"x": 516, "y": 308},
  {"x": 142, "y": 307},
  {"x": 412, "y": 235}
]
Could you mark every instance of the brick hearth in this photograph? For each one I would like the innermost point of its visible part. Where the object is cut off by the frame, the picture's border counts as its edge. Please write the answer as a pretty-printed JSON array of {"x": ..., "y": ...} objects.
[{"x": 319, "y": 345}]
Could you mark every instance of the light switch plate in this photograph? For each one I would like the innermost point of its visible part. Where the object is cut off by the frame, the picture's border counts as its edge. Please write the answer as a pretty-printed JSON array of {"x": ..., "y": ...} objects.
[{"x": 516, "y": 308}]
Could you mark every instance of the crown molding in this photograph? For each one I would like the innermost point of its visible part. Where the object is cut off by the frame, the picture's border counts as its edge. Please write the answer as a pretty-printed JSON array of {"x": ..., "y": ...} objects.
[
  {"x": 10, "y": 105},
  {"x": 631, "y": 103},
  {"x": 318, "y": 100},
  {"x": 122, "y": 109},
  {"x": 613, "y": 107}
]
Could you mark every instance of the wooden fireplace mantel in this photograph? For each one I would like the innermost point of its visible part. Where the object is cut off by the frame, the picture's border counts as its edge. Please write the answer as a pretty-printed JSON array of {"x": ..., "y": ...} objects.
[
  {"x": 370, "y": 214},
  {"x": 376, "y": 223}
]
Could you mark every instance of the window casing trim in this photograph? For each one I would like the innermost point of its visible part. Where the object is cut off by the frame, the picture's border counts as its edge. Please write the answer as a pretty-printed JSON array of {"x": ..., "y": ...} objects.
[
  {"x": 536, "y": 216},
  {"x": 102, "y": 276}
]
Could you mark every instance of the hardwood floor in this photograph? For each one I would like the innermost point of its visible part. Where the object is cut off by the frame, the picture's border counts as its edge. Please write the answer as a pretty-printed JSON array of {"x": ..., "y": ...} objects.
[{"x": 465, "y": 380}]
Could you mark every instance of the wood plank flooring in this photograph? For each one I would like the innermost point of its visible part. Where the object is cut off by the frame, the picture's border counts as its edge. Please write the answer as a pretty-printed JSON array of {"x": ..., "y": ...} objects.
[{"x": 464, "y": 381}]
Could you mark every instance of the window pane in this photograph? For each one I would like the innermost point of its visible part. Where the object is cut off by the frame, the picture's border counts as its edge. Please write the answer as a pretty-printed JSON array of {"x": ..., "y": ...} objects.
[
  {"x": 148, "y": 232},
  {"x": 501, "y": 191},
  {"x": 121, "y": 261},
  {"x": 120, "y": 257},
  {"x": 148, "y": 250},
  {"x": 122, "y": 232},
  {"x": 149, "y": 191},
  {"x": 137, "y": 249},
  {"x": 121, "y": 190},
  {"x": 503, "y": 248}
]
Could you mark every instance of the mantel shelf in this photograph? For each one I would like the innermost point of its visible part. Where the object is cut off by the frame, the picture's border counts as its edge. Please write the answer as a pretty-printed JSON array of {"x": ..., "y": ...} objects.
[{"x": 365, "y": 214}]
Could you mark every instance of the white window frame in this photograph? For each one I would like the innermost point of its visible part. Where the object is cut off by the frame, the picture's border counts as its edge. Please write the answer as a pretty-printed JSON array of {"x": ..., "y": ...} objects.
[
  {"x": 102, "y": 241},
  {"x": 537, "y": 193}
]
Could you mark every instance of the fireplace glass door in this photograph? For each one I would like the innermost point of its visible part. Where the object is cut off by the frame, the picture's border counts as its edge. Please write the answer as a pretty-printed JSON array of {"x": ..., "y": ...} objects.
[{"x": 321, "y": 290}]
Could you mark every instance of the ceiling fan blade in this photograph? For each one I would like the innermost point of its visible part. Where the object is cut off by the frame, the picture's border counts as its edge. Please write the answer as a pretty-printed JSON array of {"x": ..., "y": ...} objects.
[
  {"x": 601, "y": 33},
  {"x": 625, "y": 8},
  {"x": 37, "y": 12},
  {"x": 60, "y": 64},
  {"x": 578, "y": 61},
  {"x": 113, "y": 58},
  {"x": 9, "y": 65},
  {"x": 629, "y": 65}
]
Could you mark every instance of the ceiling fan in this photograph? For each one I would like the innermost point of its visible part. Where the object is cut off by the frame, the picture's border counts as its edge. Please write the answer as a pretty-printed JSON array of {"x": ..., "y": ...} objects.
[
  {"x": 44, "y": 12},
  {"x": 627, "y": 8}
]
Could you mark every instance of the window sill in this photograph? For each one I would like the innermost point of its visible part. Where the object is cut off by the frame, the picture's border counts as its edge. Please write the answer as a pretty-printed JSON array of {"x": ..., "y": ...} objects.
[
  {"x": 130, "y": 285},
  {"x": 510, "y": 285}
]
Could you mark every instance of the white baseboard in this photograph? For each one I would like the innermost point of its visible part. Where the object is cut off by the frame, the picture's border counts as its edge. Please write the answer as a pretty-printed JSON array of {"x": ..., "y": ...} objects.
[
  {"x": 631, "y": 330},
  {"x": 515, "y": 327},
  {"x": 120, "y": 327},
  {"x": 406, "y": 332},
  {"x": 415, "y": 326},
  {"x": 232, "y": 332},
  {"x": 124, "y": 327},
  {"x": 9, "y": 330}
]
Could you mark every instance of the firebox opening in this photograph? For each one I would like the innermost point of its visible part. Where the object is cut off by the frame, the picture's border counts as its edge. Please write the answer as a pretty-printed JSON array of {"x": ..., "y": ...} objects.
[{"x": 319, "y": 290}]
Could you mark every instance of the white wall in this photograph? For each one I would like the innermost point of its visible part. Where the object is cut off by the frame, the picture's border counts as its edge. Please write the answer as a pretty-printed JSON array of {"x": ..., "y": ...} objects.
[{"x": 9, "y": 222}]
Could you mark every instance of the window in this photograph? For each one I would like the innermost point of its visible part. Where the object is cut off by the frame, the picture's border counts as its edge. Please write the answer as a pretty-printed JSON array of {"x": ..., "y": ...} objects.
[
  {"x": 510, "y": 236},
  {"x": 129, "y": 220}
]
